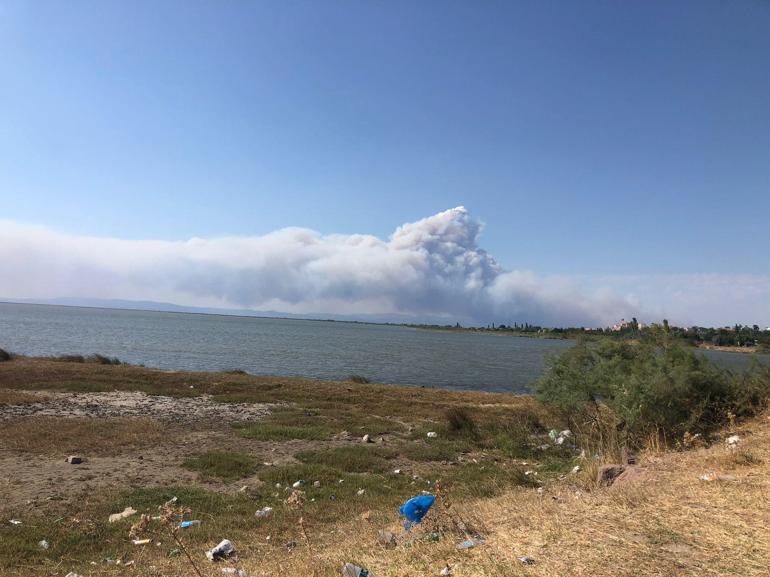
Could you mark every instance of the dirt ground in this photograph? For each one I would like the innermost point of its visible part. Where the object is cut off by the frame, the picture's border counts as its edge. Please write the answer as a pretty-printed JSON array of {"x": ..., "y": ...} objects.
[{"x": 190, "y": 425}]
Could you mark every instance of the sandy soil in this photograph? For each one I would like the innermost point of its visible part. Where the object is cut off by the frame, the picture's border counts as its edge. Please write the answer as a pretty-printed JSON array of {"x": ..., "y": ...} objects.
[{"x": 135, "y": 404}]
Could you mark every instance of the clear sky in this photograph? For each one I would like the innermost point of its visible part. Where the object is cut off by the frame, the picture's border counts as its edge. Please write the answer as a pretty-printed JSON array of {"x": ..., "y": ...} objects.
[{"x": 592, "y": 138}]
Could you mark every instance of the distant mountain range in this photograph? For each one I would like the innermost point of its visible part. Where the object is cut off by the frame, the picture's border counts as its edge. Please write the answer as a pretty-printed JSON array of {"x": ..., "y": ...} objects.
[{"x": 174, "y": 308}]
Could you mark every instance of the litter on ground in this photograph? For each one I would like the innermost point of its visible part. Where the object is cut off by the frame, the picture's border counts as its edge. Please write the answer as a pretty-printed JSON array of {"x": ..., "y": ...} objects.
[{"x": 127, "y": 512}]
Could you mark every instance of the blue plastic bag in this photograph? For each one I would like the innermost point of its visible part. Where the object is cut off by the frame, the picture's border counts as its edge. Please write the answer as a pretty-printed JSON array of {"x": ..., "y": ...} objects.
[{"x": 415, "y": 508}]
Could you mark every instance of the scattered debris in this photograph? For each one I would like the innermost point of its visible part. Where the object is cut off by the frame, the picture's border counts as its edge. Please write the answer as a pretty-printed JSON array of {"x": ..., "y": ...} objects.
[
  {"x": 575, "y": 469},
  {"x": 350, "y": 570},
  {"x": 526, "y": 560},
  {"x": 15, "y": 522},
  {"x": 366, "y": 439},
  {"x": 298, "y": 484},
  {"x": 224, "y": 550},
  {"x": 470, "y": 543},
  {"x": 732, "y": 441},
  {"x": 127, "y": 512},
  {"x": 432, "y": 434},
  {"x": 396, "y": 471},
  {"x": 361, "y": 492},
  {"x": 74, "y": 460},
  {"x": 233, "y": 571},
  {"x": 73, "y": 574},
  {"x": 171, "y": 501},
  {"x": 263, "y": 512},
  {"x": 416, "y": 508},
  {"x": 317, "y": 484},
  {"x": 386, "y": 539},
  {"x": 296, "y": 500},
  {"x": 43, "y": 544},
  {"x": 141, "y": 541},
  {"x": 707, "y": 477},
  {"x": 446, "y": 571},
  {"x": 188, "y": 524},
  {"x": 607, "y": 474}
]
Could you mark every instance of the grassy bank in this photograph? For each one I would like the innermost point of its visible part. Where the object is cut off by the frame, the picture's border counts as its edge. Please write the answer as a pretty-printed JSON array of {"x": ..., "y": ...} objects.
[{"x": 496, "y": 469}]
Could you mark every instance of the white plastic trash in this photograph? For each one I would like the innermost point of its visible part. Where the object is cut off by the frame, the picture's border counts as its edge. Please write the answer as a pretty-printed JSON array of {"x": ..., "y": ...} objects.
[{"x": 222, "y": 551}]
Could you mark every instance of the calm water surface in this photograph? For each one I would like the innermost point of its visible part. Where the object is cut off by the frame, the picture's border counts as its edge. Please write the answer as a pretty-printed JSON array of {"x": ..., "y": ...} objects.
[{"x": 328, "y": 350}]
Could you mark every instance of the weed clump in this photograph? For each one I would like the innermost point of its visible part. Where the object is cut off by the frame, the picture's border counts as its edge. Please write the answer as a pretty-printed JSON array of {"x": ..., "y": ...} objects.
[
  {"x": 460, "y": 419},
  {"x": 360, "y": 379}
]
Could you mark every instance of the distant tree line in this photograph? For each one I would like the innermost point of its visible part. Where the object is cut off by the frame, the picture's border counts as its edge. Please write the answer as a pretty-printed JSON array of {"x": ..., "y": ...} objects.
[{"x": 735, "y": 336}]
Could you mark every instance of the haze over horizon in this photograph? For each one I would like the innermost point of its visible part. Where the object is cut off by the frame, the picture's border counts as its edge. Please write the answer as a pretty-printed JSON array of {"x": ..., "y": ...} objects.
[{"x": 556, "y": 164}]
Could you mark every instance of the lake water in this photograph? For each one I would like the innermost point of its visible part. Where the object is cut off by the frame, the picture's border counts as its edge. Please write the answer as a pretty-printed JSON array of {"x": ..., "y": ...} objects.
[{"x": 268, "y": 346}]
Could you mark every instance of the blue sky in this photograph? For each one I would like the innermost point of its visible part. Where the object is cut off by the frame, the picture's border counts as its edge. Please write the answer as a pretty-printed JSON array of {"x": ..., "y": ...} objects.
[{"x": 591, "y": 138}]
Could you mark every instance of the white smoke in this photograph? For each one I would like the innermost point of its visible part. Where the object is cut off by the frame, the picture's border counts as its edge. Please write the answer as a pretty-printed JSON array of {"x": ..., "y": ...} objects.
[{"x": 432, "y": 268}]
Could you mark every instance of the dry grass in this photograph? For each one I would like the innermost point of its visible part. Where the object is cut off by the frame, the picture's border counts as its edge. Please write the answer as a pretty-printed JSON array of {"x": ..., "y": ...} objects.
[
  {"x": 60, "y": 435},
  {"x": 11, "y": 397},
  {"x": 667, "y": 523}
]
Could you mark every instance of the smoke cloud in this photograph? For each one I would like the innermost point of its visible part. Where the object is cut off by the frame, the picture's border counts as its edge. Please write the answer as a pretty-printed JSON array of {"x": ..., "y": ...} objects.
[{"x": 429, "y": 269}]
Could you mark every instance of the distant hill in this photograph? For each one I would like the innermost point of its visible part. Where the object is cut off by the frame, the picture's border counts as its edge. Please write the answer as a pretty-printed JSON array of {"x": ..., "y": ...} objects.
[{"x": 175, "y": 308}]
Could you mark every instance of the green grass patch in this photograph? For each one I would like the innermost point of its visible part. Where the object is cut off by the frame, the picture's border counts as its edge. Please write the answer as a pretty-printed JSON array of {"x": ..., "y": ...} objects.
[
  {"x": 351, "y": 459},
  {"x": 276, "y": 432},
  {"x": 223, "y": 465}
]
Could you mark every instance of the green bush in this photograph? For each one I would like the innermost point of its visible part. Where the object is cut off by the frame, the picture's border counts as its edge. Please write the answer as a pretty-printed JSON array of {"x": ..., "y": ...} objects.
[{"x": 652, "y": 386}]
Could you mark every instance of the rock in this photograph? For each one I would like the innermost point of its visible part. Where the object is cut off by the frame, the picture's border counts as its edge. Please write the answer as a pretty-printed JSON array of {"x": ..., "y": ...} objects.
[
  {"x": 386, "y": 539},
  {"x": 608, "y": 473},
  {"x": 732, "y": 441},
  {"x": 74, "y": 460}
]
